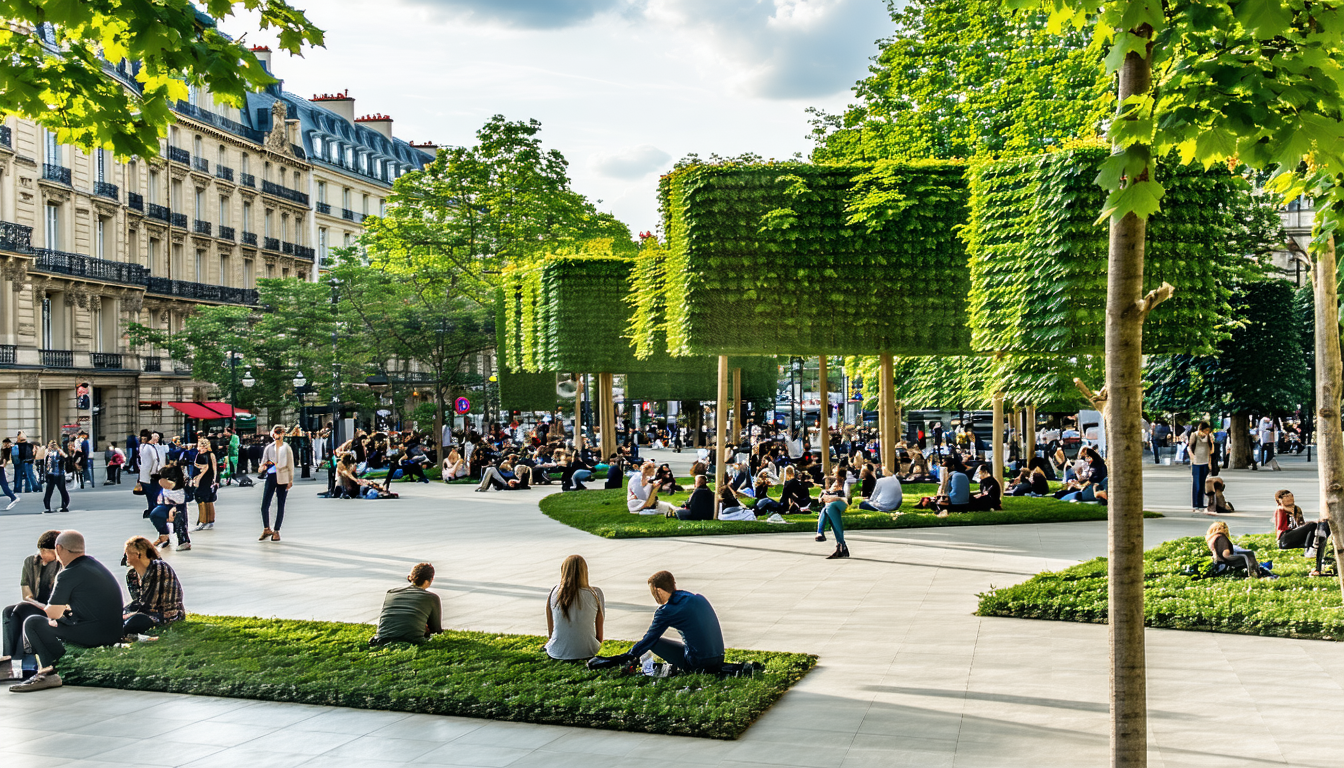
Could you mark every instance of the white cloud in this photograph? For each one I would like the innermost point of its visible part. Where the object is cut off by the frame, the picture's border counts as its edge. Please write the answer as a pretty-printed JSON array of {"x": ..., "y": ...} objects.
[
  {"x": 631, "y": 163},
  {"x": 524, "y": 14}
]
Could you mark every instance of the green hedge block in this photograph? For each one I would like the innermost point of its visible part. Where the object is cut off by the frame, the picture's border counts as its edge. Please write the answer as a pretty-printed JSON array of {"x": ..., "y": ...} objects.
[
  {"x": 699, "y": 380},
  {"x": 1038, "y": 258},
  {"x": 788, "y": 258},
  {"x": 519, "y": 391}
]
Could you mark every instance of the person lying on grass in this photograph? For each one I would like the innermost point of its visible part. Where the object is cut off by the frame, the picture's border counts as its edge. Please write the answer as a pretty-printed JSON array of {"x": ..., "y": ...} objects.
[
  {"x": 701, "y": 646},
  {"x": 574, "y": 613},
  {"x": 411, "y": 614},
  {"x": 700, "y": 506},
  {"x": 641, "y": 496},
  {"x": 1293, "y": 531}
]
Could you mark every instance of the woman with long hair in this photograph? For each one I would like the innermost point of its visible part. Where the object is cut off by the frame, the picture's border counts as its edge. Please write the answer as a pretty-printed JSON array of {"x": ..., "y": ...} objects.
[
  {"x": 454, "y": 467},
  {"x": 206, "y": 483},
  {"x": 794, "y": 496},
  {"x": 1224, "y": 551},
  {"x": 574, "y": 613},
  {"x": 156, "y": 592}
]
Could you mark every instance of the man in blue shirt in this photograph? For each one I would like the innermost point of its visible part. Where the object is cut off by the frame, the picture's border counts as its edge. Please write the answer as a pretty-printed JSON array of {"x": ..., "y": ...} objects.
[{"x": 694, "y": 619}]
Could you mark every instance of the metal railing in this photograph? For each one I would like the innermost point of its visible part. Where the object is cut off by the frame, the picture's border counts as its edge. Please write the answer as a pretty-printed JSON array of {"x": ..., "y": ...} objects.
[
  {"x": 179, "y": 155},
  {"x": 58, "y": 173},
  {"x": 156, "y": 211},
  {"x": 347, "y": 214},
  {"x": 224, "y": 172},
  {"x": 247, "y": 180},
  {"x": 304, "y": 252},
  {"x": 287, "y": 248},
  {"x": 104, "y": 189},
  {"x": 200, "y": 291},
  {"x": 271, "y": 188},
  {"x": 6, "y": 136},
  {"x": 232, "y": 126},
  {"x": 271, "y": 243},
  {"x": 226, "y": 232},
  {"x": 324, "y": 208},
  {"x": 9, "y": 354},
  {"x": 105, "y": 360},
  {"x": 250, "y": 238},
  {"x": 58, "y": 358},
  {"x": 200, "y": 164},
  {"x": 15, "y": 237},
  {"x": 135, "y": 201},
  {"x": 79, "y": 265},
  {"x": 151, "y": 363},
  {"x": 202, "y": 227},
  {"x": 180, "y": 220}
]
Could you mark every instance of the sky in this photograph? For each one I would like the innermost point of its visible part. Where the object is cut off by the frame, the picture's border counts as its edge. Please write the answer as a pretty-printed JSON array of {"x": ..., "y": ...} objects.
[{"x": 622, "y": 87}]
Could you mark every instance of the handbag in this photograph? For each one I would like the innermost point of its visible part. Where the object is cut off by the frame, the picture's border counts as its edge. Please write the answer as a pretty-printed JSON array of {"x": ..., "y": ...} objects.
[{"x": 138, "y": 490}]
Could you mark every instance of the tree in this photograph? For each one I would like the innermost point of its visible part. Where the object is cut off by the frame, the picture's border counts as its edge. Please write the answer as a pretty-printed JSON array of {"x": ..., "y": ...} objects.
[
  {"x": 55, "y": 59},
  {"x": 962, "y": 78}
]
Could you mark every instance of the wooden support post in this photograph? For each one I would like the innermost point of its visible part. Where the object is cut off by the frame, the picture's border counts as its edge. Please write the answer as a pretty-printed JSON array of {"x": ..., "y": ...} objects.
[
  {"x": 896, "y": 423},
  {"x": 996, "y": 441},
  {"x": 886, "y": 403},
  {"x": 721, "y": 428},
  {"x": 824, "y": 416},
  {"x": 608, "y": 413},
  {"x": 737, "y": 403},
  {"x": 1031, "y": 432},
  {"x": 578, "y": 413}
]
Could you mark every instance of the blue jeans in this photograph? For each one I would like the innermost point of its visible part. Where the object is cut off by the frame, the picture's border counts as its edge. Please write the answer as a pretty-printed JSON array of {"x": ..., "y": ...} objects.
[
  {"x": 869, "y": 507},
  {"x": 24, "y": 476},
  {"x": 1199, "y": 473},
  {"x": 159, "y": 517},
  {"x": 831, "y": 516},
  {"x": 4, "y": 485}
]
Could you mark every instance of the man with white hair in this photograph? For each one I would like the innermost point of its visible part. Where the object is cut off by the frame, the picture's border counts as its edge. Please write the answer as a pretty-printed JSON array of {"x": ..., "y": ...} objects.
[{"x": 84, "y": 609}]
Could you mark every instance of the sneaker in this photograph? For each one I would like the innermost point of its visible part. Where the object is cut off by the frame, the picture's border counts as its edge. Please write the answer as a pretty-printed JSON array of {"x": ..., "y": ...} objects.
[
  {"x": 48, "y": 511},
  {"x": 39, "y": 682},
  {"x": 1311, "y": 552},
  {"x": 199, "y": 527},
  {"x": 14, "y": 503},
  {"x": 65, "y": 509},
  {"x": 820, "y": 537},
  {"x": 164, "y": 544},
  {"x": 209, "y": 526},
  {"x": 184, "y": 547}
]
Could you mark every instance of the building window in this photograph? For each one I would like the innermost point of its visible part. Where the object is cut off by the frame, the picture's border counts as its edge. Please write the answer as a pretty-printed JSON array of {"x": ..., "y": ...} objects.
[
  {"x": 52, "y": 229},
  {"x": 247, "y": 217},
  {"x": 270, "y": 271},
  {"x": 223, "y": 211},
  {"x": 46, "y": 323},
  {"x": 192, "y": 95},
  {"x": 317, "y": 146},
  {"x": 247, "y": 274},
  {"x": 200, "y": 204},
  {"x": 172, "y": 136},
  {"x": 225, "y": 274},
  {"x": 348, "y": 240},
  {"x": 297, "y": 177},
  {"x": 321, "y": 191},
  {"x": 96, "y": 327},
  {"x": 100, "y": 164},
  {"x": 100, "y": 239},
  {"x": 270, "y": 217},
  {"x": 350, "y": 157},
  {"x": 382, "y": 207},
  {"x": 200, "y": 266},
  {"x": 197, "y": 148},
  {"x": 365, "y": 209},
  {"x": 246, "y": 164},
  {"x": 266, "y": 171},
  {"x": 176, "y": 194},
  {"x": 284, "y": 273},
  {"x": 153, "y": 255},
  {"x": 51, "y": 148},
  {"x": 154, "y": 187},
  {"x": 175, "y": 263},
  {"x": 322, "y": 244},
  {"x": 222, "y": 156},
  {"x": 345, "y": 198}
]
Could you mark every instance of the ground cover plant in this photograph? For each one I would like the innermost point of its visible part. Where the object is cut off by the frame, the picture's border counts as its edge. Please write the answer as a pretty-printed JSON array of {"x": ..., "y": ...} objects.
[
  {"x": 468, "y": 674},
  {"x": 603, "y": 513},
  {"x": 1177, "y": 595}
]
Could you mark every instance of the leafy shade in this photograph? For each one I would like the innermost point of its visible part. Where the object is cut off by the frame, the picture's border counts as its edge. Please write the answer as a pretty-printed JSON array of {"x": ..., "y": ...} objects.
[
  {"x": 787, "y": 258},
  {"x": 956, "y": 382},
  {"x": 1038, "y": 256},
  {"x": 699, "y": 380},
  {"x": 57, "y": 60}
]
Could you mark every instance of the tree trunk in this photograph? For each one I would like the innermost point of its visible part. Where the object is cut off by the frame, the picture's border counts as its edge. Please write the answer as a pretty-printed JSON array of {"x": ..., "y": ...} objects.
[
  {"x": 1123, "y": 413},
  {"x": 606, "y": 414},
  {"x": 996, "y": 441},
  {"x": 721, "y": 433},
  {"x": 578, "y": 414},
  {"x": 737, "y": 402},
  {"x": 824, "y": 416},
  {"x": 1329, "y": 439},
  {"x": 1239, "y": 441},
  {"x": 1029, "y": 433},
  {"x": 885, "y": 401}
]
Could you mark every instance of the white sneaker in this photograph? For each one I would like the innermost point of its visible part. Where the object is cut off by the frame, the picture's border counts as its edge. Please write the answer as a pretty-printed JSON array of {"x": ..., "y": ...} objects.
[
  {"x": 1311, "y": 552},
  {"x": 199, "y": 527},
  {"x": 209, "y": 526},
  {"x": 14, "y": 503}
]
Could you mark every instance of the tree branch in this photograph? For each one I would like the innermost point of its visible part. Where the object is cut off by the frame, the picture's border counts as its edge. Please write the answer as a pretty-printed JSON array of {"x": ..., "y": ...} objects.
[{"x": 1155, "y": 297}]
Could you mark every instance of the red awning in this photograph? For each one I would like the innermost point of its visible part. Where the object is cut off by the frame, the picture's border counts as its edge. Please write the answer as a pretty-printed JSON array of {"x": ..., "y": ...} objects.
[
  {"x": 195, "y": 411},
  {"x": 224, "y": 409}
]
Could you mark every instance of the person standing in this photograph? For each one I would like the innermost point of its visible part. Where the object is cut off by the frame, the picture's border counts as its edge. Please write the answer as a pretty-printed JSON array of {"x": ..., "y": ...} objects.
[
  {"x": 1200, "y": 448},
  {"x": 1269, "y": 435},
  {"x": 6, "y": 457},
  {"x": 277, "y": 461},
  {"x": 54, "y": 462},
  {"x": 206, "y": 482},
  {"x": 132, "y": 453},
  {"x": 86, "y": 459},
  {"x": 151, "y": 464},
  {"x": 25, "y": 478}
]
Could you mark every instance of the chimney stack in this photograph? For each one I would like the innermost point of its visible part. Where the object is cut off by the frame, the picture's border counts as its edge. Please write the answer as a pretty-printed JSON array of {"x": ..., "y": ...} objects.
[
  {"x": 263, "y": 55},
  {"x": 378, "y": 122},
  {"x": 340, "y": 103},
  {"x": 428, "y": 147}
]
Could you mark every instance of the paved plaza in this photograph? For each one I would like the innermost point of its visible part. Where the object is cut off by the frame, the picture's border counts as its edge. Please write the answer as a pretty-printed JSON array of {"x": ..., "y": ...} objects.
[{"x": 907, "y": 676}]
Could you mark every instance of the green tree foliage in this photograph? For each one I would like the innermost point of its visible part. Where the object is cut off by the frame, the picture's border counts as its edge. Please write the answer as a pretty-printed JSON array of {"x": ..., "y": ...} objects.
[
  {"x": 961, "y": 78},
  {"x": 478, "y": 208},
  {"x": 55, "y": 59}
]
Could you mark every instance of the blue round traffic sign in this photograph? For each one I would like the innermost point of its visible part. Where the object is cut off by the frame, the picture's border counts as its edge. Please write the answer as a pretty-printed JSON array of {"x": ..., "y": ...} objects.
[{"x": 462, "y": 405}]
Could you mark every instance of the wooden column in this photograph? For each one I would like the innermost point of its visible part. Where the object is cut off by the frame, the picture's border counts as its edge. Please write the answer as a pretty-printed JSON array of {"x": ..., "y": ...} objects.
[
  {"x": 607, "y": 408},
  {"x": 721, "y": 427},
  {"x": 886, "y": 406},
  {"x": 824, "y": 416},
  {"x": 578, "y": 413},
  {"x": 896, "y": 422},
  {"x": 996, "y": 441},
  {"x": 1031, "y": 432},
  {"x": 737, "y": 403}
]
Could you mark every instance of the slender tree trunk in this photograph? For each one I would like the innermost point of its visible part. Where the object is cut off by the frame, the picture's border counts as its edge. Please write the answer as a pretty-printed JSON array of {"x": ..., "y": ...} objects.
[
  {"x": 578, "y": 413},
  {"x": 721, "y": 433},
  {"x": 1029, "y": 432},
  {"x": 1329, "y": 439},
  {"x": 1125, "y": 313},
  {"x": 737, "y": 402},
  {"x": 996, "y": 442},
  {"x": 824, "y": 416},
  {"x": 886, "y": 402},
  {"x": 1239, "y": 441}
]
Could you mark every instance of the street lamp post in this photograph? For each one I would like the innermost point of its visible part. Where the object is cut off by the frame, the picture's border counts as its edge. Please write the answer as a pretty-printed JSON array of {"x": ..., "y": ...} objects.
[
  {"x": 305, "y": 451},
  {"x": 335, "y": 368},
  {"x": 233, "y": 391}
]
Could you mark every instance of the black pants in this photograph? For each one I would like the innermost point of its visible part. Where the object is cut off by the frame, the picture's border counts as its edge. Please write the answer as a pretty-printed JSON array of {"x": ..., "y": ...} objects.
[
  {"x": 14, "y": 616},
  {"x": 114, "y": 474},
  {"x": 1305, "y": 536},
  {"x": 674, "y": 653},
  {"x": 56, "y": 482},
  {"x": 280, "y": 493},
  {"x": 48, "y": 642},
  {"x": 412, "y": 470},
  {"x": 138, "y": 624}
]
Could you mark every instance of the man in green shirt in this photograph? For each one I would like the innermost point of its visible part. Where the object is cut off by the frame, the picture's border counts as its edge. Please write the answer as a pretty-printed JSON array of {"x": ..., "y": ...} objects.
[{"x": 411, "y": 614}]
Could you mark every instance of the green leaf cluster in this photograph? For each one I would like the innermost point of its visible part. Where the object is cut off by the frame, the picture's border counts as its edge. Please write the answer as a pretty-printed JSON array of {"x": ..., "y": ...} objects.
[
  {"x": 1038, "y": 257},
  {"x": 518, "y": 390},
  {"x": 789, "y": 258}
]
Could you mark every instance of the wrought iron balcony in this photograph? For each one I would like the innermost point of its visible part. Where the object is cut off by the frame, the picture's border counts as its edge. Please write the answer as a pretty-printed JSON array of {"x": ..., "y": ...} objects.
[
  {"x": 202, "y": 227},
  {"x": 224, "y": 172},
  {"x": 304, "y": 252},
  {"x": 180, "y": 220},
  {"x": 135, "y": 201},
  {"x": 57, "y": 173},
  {"x": 271, "y": 243},
  {"x": 200, "y": 291},
  {"x": 156, "y": 211},
  {"x": 287, "y": 248},
  {"x": 151, "y": 363},
  {"x": 324, "y": 208},
  {"x": 6, "y": 136},
  {"x": 250, "y": 238},
  {"x": 91, "y": 267},
  {"x": 15, "y": 237},
  {"x": 207, "y": 116},
  {"x": 226, "y": 232},
  {"x": 58, "y": 358},
  {"x": 200, "y": 164},
  {"x": 271, "y": 188},
  {"x": 347, "y": 214},
  {"x": 109, "y": 360},
  {"x": 9, "y": 354},
  {"x": 247, "y": 180},
  {"x": 179, "y": 155},
  {"x": 103, "y": 189}
]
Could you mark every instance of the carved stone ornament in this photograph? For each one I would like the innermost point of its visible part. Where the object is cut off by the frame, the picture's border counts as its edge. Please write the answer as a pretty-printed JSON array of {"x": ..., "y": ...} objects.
[
  {"x": 277, "y": 139},
  {"x": 56, "y": 195},
  {"x": 105, "y": 209},
  {"x": 178, "y": 237},
  {"x": 16, "y": 271},
  {"x": 132, "y": 302},
  {"x": 96, "y": 302}
]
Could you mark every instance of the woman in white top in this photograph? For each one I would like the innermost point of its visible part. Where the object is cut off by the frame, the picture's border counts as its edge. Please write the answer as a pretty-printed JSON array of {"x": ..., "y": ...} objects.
[{"x": 574, "y": 613}]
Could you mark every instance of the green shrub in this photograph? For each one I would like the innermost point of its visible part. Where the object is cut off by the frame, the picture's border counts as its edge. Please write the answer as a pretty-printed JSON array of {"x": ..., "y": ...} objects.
[{"x": 468, "y": 674}]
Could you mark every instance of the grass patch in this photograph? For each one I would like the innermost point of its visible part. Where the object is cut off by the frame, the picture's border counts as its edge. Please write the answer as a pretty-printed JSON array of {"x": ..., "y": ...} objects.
[
  {"x": 467, "y": 674},
  {"x": 603, "y": 513},
  {"x": 1296, "y": 605}
]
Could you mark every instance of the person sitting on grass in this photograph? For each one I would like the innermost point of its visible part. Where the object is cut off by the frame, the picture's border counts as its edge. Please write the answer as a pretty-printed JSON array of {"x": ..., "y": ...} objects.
[
  {"x": 701, "y": 646},
  {"x": 1224, "y": 551},
  {"x": 156, "y": 592},
  {"x": 764, "y": 504},
  {"x": 615, "y": 471},
  {"x": 954, "y": 490},
  {"x": 1030, "y": 482},
  {"x": 667, "y": 482},
  {"x": 411, "y": 614},
  {"x": 919, "y": 469},
  {"x": 795, "y": 497},
  {"x": 574, "y": 470},
  {"x": 455, "y": 467},
  {"x": 990, "y": 496},
  {"x": 85, "y": 609},
  {"x": 35, "y": 584},
  {"x": 833, "y": 506},
  {"x": 1218, "y": 503},
  {"x": 700, "y": 506},
  {"x": 1293, "y": 531},
  {"x": 641, "y": 496},
  {"x": 886, "y": 495},
  {"x": 574, "y": 614},
  {"x": 731, "y": 506}
]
